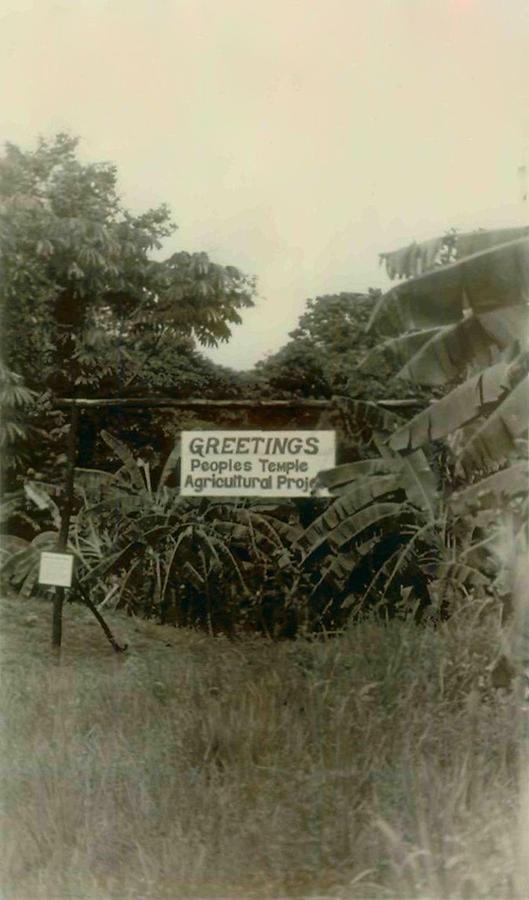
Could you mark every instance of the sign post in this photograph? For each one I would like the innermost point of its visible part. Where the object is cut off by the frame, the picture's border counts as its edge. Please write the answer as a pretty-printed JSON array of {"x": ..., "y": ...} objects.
[{"x": 62, "y": 542}]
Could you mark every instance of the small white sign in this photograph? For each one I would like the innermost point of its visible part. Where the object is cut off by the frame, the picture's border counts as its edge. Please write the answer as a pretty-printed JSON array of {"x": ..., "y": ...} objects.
[
  {"x": 254, "y": 463},
  {"x": 56, "y": 569}
]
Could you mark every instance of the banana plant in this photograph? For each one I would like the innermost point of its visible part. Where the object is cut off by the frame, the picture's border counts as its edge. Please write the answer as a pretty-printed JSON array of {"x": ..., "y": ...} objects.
[
  {"x": 393, "y": 523},
  {"x": 20, "y": 560},
  {"x": 460, "y": 322},
  {"x": 158, "y": 547},
  {"x": 464, "y": 325},
  {"x": 383, "y": 521}
]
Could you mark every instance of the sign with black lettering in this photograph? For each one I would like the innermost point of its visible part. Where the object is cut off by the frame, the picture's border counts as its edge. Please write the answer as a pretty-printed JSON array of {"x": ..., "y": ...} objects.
[{"x": 254, "y": 463}]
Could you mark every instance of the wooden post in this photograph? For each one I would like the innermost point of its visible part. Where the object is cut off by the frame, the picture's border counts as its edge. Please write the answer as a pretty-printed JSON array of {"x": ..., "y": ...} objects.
[
  {"x": 203, "y": 403},
  {"x": 62, "y": 542}
]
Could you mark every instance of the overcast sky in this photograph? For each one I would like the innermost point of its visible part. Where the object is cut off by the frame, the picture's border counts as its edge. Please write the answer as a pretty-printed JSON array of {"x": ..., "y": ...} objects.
[{"x": 292, "y": 138}]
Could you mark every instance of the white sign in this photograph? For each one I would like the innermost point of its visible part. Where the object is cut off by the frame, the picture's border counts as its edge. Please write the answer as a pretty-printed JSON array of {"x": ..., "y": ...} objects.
[
  {"x": 56, "y": 568},
  {"x": 254, "y": 463}
]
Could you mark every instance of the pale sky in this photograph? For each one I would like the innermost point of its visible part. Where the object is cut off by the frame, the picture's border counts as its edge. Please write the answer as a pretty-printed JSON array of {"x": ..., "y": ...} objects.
[{"x": 295, "y": 139}]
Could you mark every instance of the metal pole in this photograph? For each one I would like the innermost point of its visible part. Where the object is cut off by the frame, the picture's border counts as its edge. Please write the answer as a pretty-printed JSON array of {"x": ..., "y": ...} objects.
[{"x": 62, "y": 541}]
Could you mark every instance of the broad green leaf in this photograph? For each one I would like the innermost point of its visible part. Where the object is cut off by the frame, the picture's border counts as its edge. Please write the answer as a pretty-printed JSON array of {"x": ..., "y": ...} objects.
[
  {"x": 170, "y": 463},
  {"x": 359, "y": 497},
  {"x": 45, "y": 540},
  {"x": 18, "y": 563},
  {"x": 124, "y": 454},
  {"x": 493, "y": 490},
  {"x": 413, "y": 259},
  {"x": 11, "y": 544},
  {"x": 429, "y": 301},
  {"x": 119, "y": 558},
  {"x": 379, "y": 515},
  {"x": 39, "y": 495},
  {"x": 476, "y": 241},
  {"x": 417, "y": 258},
  {"x": 420, "y": 484},
  {"x": 461, "y": 406},
  {"x": 25, "y": 561},
  {"x": 506, "y": 325},
  {"x": 439, "y": 355},
  {"x": 342, "y": 566},
  {"x": 489, "y": 280},
  {"x": 9, "y": 505},
  {"x": 498, "y": 438},
  {"x": 398, "y": 350},
  {"x": 391, "y": 565},
  {"x": 460, "y": 573},
  {"x": 344, "y": 475},
  {"x": 93, "y": 484},
  {"x": 363, "y": 419}
]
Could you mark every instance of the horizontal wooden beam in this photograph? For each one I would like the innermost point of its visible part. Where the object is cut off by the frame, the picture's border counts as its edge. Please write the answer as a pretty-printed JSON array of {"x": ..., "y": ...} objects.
[{"x": 204, "y": 403}]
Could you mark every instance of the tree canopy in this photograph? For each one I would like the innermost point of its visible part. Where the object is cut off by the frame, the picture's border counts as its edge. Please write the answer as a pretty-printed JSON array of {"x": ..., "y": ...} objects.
[
  {"x": 325, "y": 352},
  {"x": 85, "y": 306}
]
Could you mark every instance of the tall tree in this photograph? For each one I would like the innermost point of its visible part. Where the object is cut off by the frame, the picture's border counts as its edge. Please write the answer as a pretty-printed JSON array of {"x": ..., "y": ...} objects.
[
  {"x": 325, "y": 352},
  {"x": 84, "y": 305}
]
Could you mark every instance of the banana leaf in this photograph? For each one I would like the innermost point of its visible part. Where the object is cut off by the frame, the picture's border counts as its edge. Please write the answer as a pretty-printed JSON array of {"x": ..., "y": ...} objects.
[
  {"x": 22, "y": 566},
  {"x": 9, "y": 504},
  {"x": 412, "y": 260},
  {"x": 462, "y": 405},
  {"x": 489, "y": 280},
  {"x": 378, "y": 514},
  {"x": 342, "y": 566},
  {"x": 437, "y": 356},
  {"x": 499, "y": 436},
  {"x": 93, "y": 484},
  {"x": 40, "y": 494},
  {"x": 418, "y": 258},
  {"x": 170, "y": 463},
  {"x": 320, "y": 532},
  {"x": 358, "y": 497},
  {"x": 493, "y": 490},
  {"x": 420, "y": 484},
  {"x": 345, "y": 474},
  {"x": 398, "y": 350},
  {"x": 11, "y": 544},
  {"x": 361, "y": 419},
  {"x": 124, "y": 454}
]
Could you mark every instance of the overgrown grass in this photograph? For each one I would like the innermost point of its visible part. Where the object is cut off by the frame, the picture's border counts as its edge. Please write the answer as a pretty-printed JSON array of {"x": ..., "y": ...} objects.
[{"x": 376, "y": 764}]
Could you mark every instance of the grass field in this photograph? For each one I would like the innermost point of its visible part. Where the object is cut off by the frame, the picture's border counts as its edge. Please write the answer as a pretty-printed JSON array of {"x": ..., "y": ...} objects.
[{"x": 374, "y": 765}]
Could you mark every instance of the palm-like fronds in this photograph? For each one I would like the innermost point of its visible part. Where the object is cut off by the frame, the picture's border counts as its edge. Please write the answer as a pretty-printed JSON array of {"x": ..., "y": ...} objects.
[
  {"x": 418, "y": 258},
  {"x": 469, "y": 314},
  {"x": 492, "y": 279},
  {"x": 377, "y": 500},
  {"x": 437, "y": 356},
  {"x": 165, "y": 545},
  {"x": 20, "y": 565}
]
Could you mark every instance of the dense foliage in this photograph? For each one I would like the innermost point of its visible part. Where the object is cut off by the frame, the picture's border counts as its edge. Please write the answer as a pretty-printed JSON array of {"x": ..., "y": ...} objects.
[
  {"x": 324, "y": 354},
  {"x": 408, "y": 516},
  {"x": 85, "y": 307},
  {"x": 84, "y": 304},
  {"x": 462, "y": 325}
]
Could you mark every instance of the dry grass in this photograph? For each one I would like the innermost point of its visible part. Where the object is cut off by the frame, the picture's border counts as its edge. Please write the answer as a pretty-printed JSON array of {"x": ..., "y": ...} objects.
[{"x": 373, "y": 765}]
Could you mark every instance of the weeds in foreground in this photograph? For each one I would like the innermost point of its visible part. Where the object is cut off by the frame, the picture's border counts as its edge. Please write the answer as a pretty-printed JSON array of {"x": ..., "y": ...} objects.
[{"x": 373, "y": 765}]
